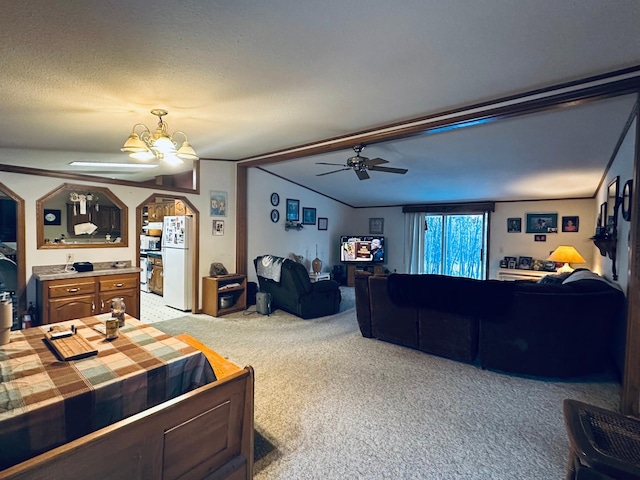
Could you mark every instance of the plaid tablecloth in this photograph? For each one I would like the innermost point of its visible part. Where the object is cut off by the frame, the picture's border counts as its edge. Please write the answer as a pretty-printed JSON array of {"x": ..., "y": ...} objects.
[{"x": 46, "y": 402}]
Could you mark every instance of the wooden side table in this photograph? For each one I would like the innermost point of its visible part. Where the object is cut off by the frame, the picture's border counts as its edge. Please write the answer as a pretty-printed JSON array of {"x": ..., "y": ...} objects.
[{"x": 213, "y": 288}]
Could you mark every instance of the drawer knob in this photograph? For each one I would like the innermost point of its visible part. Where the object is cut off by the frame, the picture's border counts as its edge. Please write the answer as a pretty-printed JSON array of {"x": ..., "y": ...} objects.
[
  {"x": 118, "y": 285},
  {"x": 72, "y": 290}
]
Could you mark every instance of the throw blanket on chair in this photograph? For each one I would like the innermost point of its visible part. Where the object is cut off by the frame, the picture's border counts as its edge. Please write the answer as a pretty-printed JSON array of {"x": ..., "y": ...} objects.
[{"x": 270, "y": 267}]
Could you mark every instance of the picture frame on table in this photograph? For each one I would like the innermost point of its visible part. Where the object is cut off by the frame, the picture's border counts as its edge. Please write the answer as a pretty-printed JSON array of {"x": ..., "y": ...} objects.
[
  {"x": 376, "y": 226},
  {"x": 542, "y": 223},
  {"x": 293, "y": 210},
  {"x": 524, "y": 263},
  {"x": 308, "y": 216},
  {"x": 511, "y": 262},
  {"x": 323, "y": 223}
]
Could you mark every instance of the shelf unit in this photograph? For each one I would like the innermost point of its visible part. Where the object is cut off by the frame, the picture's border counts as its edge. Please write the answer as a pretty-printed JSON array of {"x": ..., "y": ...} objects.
[
  {"x": 521, "y": 274},
  {"x": 215, "y": 287}
]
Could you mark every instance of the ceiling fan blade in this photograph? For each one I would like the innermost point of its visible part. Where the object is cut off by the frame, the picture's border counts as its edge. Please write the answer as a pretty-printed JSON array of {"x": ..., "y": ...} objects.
[
  {"x": 333, "y": 171},
  {"x": 362, "y": 174},
  {"x": 389, "y": 169},
  {"x": 325, "y": 163},
  {"x": 375, "y": 161}
]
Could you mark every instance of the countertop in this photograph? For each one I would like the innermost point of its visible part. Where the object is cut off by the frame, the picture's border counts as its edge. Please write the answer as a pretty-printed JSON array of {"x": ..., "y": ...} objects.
[{"x": 57, "y": 272}]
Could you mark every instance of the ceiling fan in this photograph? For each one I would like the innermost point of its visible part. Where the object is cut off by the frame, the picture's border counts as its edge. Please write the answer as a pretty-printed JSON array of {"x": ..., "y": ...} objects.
[{"x": 360, "y": 165}]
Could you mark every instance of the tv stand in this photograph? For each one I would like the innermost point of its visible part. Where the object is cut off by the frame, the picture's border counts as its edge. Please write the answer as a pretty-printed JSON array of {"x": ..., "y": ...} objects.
[{"x": 351, "y": 271}]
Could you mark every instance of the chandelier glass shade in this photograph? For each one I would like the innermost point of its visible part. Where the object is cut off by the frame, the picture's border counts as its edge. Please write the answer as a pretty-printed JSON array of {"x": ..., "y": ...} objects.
[{"x": 146, "y": 146}]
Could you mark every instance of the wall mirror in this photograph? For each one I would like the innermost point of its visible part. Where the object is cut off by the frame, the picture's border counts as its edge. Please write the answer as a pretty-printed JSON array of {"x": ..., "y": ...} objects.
[
  {"x": 81, "y": 216},
  {"x": 612, "y": 206}
]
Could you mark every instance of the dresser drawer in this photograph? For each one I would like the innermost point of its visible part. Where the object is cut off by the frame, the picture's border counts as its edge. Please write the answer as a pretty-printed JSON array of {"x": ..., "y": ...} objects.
[
  {"x": 118, "y": 282},
  {"x": 62, "y": 288}
]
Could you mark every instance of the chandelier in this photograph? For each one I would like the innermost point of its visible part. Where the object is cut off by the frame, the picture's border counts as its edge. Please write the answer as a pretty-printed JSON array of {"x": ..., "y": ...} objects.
[{"x": 161, "y": 145}]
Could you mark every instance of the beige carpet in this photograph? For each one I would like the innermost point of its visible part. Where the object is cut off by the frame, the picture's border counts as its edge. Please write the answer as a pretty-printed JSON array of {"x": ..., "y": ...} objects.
[{"x": 330, "y": 404}]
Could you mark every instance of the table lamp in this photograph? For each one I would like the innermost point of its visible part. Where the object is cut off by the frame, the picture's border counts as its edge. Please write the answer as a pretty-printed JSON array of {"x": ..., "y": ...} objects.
[{"x": 566, "y": 254}]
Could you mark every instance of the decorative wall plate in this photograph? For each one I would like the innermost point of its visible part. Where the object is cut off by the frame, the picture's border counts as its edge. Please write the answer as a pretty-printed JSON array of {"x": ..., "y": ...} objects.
[
  {"x": 275, "y": 199},
  {"x": 275, "y": 215}
]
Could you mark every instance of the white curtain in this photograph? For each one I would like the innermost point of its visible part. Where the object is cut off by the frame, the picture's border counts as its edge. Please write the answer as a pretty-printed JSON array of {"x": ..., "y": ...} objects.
[{"x": 414, "y": 242}]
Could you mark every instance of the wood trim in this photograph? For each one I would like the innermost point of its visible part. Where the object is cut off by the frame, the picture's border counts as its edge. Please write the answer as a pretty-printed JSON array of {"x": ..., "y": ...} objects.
[
  {"x": 242, "y": 221},
  {"x": 111, "y": 181},
  {"x": 21, "y": 292},
  {"x": 124, "y": 218},
  {"x": 545, "y": 99},
  {"x": 630, "y": 396},
  {"x": 474, "y": 207},
  {"x": 195, "y": 270}
]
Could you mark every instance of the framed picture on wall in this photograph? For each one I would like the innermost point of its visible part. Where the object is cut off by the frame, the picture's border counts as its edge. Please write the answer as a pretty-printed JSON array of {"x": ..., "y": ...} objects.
[
  {"x": 218, "y": 204},
  {"x": 514, "y": 225},
  {"x": 293, "y": 210},
  {"x": 308, "y": 216},
  {"x": 542, "y": 223},
  {"x": 323, "y": 223},
  {"x": 376, "y": 226},
  {"x": 570, "y": 224},
  {"x": 218, "y": 227}
]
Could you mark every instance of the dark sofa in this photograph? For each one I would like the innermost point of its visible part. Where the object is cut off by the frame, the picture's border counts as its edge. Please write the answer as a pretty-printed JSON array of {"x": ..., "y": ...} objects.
[
  {"x": 561, "y": 329},
  {"x": 296, "y": 294}
]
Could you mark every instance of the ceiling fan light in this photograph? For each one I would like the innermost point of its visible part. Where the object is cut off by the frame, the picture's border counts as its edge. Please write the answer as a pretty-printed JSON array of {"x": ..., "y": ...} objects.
[
  {"x": 186, "y": 152},
  {"x": 134, "y": 144}
]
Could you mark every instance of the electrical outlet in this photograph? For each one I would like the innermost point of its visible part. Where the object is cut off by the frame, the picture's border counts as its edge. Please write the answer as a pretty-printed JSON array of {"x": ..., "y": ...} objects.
[{"x": 69, "y": 258}]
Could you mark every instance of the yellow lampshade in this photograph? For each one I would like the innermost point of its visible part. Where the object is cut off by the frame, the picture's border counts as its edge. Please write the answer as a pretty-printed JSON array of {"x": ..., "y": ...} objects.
[{"x": 566, "y": 254}]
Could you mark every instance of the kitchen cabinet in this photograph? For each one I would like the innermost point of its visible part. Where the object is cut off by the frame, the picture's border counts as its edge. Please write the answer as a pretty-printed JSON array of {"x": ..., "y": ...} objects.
[
  {"x": 156, "y": 282},
  {"x": 70, "y": 298},
  {"x": 157, "y": 211},
  {"x": 107, "y": 219}
]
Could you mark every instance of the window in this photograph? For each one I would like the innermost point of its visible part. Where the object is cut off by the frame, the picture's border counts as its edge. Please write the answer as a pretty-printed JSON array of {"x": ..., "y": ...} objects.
[{"x": 454, "y": 245}]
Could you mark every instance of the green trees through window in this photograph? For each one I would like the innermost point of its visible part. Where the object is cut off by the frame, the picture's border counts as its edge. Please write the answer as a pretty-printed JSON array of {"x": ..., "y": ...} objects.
[{"x": 455, "y": 245}]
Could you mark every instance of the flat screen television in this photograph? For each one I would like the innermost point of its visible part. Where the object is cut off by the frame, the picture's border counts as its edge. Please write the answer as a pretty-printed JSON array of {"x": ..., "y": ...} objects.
[{"x": 362, "y": 249}]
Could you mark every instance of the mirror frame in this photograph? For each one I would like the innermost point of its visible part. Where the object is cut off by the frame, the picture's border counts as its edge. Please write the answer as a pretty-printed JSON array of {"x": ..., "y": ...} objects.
[
  {"x": 21, "y": 292},
  {"x": 124, "y": 220},
  {"x": 612, "y": 206}
]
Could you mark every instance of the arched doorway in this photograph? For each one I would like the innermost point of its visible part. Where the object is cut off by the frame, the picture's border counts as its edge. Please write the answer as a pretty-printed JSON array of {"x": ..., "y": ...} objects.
[
  {"x": 14, "y": 245},
  {"x": 168, "y": 204}
]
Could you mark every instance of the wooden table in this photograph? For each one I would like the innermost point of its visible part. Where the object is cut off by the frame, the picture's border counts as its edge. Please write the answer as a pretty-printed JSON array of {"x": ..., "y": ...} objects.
[{"x": 46, "y": 402}]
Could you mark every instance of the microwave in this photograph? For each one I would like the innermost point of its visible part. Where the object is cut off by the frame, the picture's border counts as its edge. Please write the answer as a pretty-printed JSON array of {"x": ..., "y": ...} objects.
[{"x": 147, "y": 243}]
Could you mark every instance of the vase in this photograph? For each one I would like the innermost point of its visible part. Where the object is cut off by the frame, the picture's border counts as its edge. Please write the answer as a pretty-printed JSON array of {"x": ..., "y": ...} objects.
[{"x": 316, "y": 265}]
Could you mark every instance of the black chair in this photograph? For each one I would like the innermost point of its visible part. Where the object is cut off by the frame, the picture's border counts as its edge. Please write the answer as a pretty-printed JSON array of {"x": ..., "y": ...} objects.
[
  {"x": 604, "y": 444},
  {"x": 296, "y": 294}
]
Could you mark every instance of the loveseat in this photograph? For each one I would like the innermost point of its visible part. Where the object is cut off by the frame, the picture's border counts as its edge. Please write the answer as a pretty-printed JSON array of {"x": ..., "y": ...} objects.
[
  {"x": 294, "y": 292},
  {"x": 561, "y": 327}
]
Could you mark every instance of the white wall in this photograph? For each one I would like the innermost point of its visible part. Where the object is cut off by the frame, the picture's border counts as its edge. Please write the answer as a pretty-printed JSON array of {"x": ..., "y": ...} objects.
[
  {"x": 503, "y": 244},
  {"x": 214, "y": 176},
  {"x": 267, "y": 237},
  {"x": 623, "y": 167}
]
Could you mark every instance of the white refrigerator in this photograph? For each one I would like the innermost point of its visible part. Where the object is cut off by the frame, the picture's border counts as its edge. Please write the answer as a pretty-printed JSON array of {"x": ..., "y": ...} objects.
[{"x": 177, "y": 255}]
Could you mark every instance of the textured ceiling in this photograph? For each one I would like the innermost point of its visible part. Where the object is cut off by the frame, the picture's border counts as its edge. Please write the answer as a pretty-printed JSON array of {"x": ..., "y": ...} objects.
[{"x": 245, "y": 78}]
